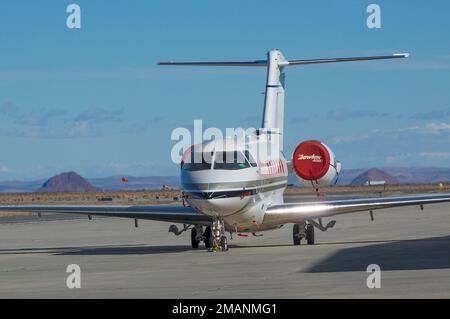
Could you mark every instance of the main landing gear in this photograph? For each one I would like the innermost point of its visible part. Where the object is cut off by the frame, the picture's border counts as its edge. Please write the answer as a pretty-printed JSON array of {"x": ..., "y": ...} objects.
[
  {"x": 198, "y": 235},
  {"x": 303, "y": 231}
]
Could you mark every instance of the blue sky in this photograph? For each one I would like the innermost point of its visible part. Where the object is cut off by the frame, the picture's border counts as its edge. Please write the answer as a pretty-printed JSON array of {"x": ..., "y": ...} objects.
[{"x": 93, "y": 100}]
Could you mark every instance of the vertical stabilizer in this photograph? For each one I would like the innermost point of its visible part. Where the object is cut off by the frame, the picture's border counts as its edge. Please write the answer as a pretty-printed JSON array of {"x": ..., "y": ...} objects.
[{"x": 273, "y": 116}]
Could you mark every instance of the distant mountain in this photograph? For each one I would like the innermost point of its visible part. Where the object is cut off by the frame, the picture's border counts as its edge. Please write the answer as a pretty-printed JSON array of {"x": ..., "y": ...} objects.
[
  {"x": 20, "y": 186},
  {"x": 418, "y": 175},
  {"x": 135, "y": 183},
  {"x": 348, "y": 175},
  {"x": 65, "y": 183},
  {"x": 373, "y": 175},
  {"x": 111, "y": 183},
  {"x": 404, "y": 175}
]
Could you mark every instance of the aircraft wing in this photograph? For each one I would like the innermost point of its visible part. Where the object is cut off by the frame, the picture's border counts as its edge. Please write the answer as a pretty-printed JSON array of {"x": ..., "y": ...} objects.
[
  {"x": 293, "y": 212},
  {"x": 166, "y": 213}
]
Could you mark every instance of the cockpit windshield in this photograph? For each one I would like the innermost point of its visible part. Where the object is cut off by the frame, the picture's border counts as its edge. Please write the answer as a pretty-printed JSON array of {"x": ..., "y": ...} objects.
[
  {"x": 231, "y": 161},
  {"x": 198, "y": 161}
]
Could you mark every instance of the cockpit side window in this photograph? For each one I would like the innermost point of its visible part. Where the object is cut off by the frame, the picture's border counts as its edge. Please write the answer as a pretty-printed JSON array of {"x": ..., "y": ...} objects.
[
  {"x": 230, "y": 161},
  {"x": 250, "y": 159},
  {"x": 198, "y": 161}
]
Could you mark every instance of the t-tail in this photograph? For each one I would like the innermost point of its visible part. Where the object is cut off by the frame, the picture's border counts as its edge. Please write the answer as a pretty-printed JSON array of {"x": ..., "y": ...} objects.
[{"x": 273, "y": 117}]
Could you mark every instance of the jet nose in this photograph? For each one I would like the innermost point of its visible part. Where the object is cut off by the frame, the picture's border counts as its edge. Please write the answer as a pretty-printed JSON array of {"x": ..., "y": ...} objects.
[{"x": 226, "y": 206}]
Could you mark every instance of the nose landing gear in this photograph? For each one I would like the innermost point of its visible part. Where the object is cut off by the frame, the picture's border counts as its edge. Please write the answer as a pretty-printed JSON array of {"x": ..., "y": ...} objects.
[
  {"x": 213, "y": 236},
  {"x": 219, "y": 240}
]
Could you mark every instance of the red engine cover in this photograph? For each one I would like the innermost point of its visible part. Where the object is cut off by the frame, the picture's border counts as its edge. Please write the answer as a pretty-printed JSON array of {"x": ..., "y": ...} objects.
[{"x": 311, "y": 160}]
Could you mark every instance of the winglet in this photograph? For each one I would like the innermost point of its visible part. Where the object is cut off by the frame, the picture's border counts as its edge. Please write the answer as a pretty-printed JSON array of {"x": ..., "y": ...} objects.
[{"x": 403, "y": 55}]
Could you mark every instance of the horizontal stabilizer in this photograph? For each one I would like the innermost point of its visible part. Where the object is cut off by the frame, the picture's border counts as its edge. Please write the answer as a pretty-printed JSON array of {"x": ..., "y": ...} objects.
[
  {"x": 333, "y": 60},
  {"x": 236, "y": 63},
  {"x": 283, "y": 62}
]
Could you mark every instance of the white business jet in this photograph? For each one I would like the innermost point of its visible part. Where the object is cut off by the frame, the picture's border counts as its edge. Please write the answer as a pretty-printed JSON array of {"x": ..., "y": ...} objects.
[{"x": 230, "y": 185}]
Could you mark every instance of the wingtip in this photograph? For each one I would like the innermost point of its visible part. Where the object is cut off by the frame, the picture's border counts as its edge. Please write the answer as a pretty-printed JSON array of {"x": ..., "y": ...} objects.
[{"x": 403, "y": 55}]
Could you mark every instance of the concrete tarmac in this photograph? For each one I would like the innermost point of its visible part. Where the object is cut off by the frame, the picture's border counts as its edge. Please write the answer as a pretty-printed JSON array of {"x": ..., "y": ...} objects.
[{"x": 119, "y": 261}]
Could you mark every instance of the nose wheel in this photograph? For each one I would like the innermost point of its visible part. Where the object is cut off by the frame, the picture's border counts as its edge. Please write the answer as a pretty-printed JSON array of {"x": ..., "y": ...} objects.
[
  {"x": 224, "y": 243},
  {"x": 219, "y": 240}
]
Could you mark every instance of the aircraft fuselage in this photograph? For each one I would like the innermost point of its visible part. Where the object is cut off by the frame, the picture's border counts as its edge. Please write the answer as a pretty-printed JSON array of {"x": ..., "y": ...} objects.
[{"x": 236, "y": 191}]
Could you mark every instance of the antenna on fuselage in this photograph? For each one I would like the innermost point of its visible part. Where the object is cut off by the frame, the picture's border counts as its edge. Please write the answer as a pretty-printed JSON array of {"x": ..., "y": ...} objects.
[{"x": 273, "y": 117}]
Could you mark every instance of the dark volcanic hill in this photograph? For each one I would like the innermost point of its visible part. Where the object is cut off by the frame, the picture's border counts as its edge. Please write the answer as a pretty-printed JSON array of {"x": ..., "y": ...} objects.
[
  {"x": 374, "y": 175},
  {"x": 69, "y": 182}
]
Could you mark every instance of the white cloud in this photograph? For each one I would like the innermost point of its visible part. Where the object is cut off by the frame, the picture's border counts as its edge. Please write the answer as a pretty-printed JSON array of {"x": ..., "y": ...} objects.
[
  {"x": 124, "y": 73},
  {"x": 78, "y": 129},
  {"x": 74, "y": 130},
  {"x": 409, "y": 128},
  {"x": 435, "y": 155},
  {"x": 436, "y": 128},
  {"x": 397, "y": 159},
  {"x": 4, "y": 169},
  {"x": 101, "y": 115},
  {"x": 402, "y": 159},
  {"x": 133, "y": 168},
  {"x": 118, "y": 166},
  {"x": 349, "y": 138},
  {"x": 429, "y": 128},
  {"x": 8, "y": 108}
]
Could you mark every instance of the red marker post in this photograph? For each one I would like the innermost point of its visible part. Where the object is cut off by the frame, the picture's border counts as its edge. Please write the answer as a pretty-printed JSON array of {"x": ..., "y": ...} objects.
[{"x": 124, "y": 181}]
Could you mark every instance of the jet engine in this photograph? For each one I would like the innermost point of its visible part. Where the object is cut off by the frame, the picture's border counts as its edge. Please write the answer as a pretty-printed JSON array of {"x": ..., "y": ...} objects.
[{"x": 315, "y": 164}]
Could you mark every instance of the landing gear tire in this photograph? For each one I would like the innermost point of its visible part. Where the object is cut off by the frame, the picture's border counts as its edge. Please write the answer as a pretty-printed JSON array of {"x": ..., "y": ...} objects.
[
  {"x": 218, "y": 241},
  {"x": 208, "y": 238},
  {"x": 309, "y": 234},
  {"x": 296, "y": 235},
  {"x": 224, "y": 243},
  {"x": 194, "y": 241}
]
